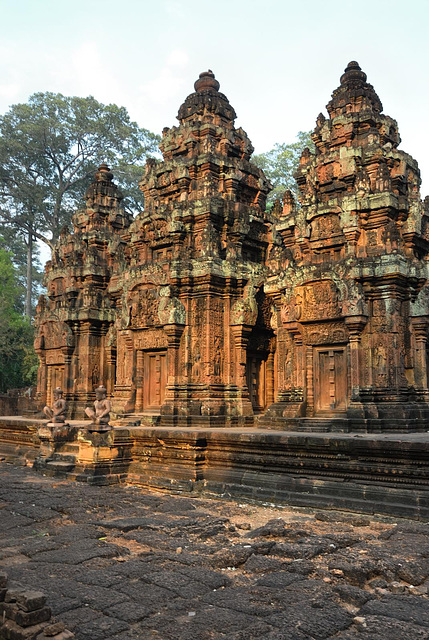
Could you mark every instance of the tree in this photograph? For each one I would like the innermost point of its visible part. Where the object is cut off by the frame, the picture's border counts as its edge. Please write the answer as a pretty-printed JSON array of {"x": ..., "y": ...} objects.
[
  {"x": 49, "y": 150},
  {"x": 280, "y": 164},
  {"x": 13, "y": 240},
  {"x": 17, "y": 362}
]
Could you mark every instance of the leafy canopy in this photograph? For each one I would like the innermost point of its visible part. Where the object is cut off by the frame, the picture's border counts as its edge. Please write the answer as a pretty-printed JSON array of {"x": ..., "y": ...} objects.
[
  {"x": 49, "y": 149},
  {"x": 280, "y": 163},
  {"x": 17, "y": 357}
]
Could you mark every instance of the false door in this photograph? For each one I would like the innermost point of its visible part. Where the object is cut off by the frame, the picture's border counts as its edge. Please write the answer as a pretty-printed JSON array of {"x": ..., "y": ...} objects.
[
  {"x": 154, "y": 378},
  {"x": 256, "y": 381},
  {"x": 330, "y": 379}
]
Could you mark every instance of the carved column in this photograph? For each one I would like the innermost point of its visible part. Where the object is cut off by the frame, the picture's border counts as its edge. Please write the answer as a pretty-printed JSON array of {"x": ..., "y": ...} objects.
[
  {"x": 299, "y": 372},
  {"x": 85, "y": 349},
  {"x": 139, "y": 380},
  {"x": 111, "y": 369},
  {"x": 241, "y": 335},
  {"x": 68, "y": 375},
  {"x": 174, "y": 334},
  {"x": 41, "y": 377},
  {"x": 310, "y": 379},
  {"x": 270, "y": 379},
  {"x": 129, "y": 360},
  {"x": 49, "y": 386},
  {"x": 355, "y": 325},
  {"x": 420, "y": 328}
]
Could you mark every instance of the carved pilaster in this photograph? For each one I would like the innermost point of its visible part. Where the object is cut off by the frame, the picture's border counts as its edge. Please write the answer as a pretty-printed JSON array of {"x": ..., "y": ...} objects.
[
  {"x": 270, "y": 378},
  {"x": 355, "y": 325},
  {"x": 139, "y": 380},
  {"x": 174, "y": 333},
  {"x": 111, "y": 370},
  {"x": 241, "y": 335},
  {"x": 420, "y": 329}
]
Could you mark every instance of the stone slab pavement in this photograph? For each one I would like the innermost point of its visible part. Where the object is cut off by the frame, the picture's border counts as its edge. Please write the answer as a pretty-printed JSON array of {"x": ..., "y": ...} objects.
[{"x": 124, "y": 562}]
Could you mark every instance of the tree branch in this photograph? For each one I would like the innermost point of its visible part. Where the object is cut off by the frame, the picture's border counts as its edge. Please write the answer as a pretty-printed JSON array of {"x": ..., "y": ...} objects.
[{"x": 6, "y": 216}]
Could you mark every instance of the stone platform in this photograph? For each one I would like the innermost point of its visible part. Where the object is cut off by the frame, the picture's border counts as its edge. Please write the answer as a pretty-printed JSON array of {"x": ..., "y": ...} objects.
[
  {"x": 372, "y": 473},
  {"x": 384, "y": 473}
]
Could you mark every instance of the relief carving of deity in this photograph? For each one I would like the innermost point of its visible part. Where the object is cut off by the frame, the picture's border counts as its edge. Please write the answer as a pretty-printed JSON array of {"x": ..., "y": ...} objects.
[{"x": 143, "y": 308}]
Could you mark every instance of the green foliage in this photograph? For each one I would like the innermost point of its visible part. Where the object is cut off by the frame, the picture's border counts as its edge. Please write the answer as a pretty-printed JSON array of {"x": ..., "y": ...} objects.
[
  {"x": 13, "y": 240},
  {"x": 49, "y": 150},
  {"x": 17, "y": 358},
  {"x": 280, "y": 165},
  {"x": 128, "y": 177}
]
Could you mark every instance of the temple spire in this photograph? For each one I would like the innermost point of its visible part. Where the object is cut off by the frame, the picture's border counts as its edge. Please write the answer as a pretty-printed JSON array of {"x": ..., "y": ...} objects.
[
  {"x": 207, "y": 104},
  {"x": 354, "y": 94},
  {"x": 353, "y": 74}
]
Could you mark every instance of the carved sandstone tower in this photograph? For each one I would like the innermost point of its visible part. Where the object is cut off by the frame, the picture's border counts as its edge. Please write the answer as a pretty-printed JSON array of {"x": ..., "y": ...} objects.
[
  {"x": 349, "y": 288},
  {"x": 205, "y": 310},
  {"x": 74, "y": 337},
  {"x": 195, "y": 262}
]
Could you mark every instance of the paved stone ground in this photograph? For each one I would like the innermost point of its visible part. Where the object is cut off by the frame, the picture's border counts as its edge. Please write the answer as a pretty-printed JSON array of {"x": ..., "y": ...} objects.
[{"x": 122, "y": 563}]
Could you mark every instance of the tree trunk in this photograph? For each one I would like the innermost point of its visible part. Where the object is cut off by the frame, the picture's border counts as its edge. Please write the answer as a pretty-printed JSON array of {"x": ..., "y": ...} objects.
[{"x": 29, "y": 274}]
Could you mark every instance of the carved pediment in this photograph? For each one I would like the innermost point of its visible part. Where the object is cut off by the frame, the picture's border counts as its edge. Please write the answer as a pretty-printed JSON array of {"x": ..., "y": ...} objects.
[
  {"x": 143, "y": 307},
  {"x": 54, "y": 334}
]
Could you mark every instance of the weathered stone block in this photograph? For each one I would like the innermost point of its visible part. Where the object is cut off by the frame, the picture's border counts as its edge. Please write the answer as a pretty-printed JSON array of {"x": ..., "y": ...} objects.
[
  {"x": 12, "y": 611},
  {"x": 12, "y": 631},
  {"x": 54, "y": 629},
  {"x": 26, "y": 599}
]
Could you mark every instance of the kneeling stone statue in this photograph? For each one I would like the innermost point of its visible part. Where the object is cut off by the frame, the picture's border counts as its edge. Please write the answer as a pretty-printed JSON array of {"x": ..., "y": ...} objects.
[
  {"x": 56, "y": 414},
  {"x": 100, "y": 415}
]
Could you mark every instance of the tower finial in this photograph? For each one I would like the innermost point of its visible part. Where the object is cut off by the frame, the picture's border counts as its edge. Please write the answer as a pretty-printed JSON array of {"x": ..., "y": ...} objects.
[
  {"x": 206, "y": 81},
  {"x": 353, "y": 73},
  {"x": 103, "y": 173}
]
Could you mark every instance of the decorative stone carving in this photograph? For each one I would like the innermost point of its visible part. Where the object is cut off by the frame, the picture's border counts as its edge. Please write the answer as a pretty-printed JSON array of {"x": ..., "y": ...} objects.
[
  {"x": 344, "y": 297},
  {"x": 170, "y": 309},
  {"x": 245, "y": 310},
  {"x": 206, "y": 308},
  {"x": 100, "y": 415},
  {"x": 57, "y": 414}
]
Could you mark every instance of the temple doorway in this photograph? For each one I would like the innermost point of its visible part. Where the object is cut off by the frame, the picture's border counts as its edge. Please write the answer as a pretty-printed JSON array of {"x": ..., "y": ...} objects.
[
  {"x": 257, "y": 381},
  {"x": 55, "y": 378},
  {"x": 330, "y": 379},
  {"x": 154, "y": 378}
]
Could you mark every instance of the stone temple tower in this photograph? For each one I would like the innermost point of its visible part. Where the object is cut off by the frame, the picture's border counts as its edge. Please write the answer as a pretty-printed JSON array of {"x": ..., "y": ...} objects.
[
  {"x": 74, "y": 321},
  {"x": 195, "y": 264},
  {"x": 350, "y": 287},
  {"x": 205, "y": 310}
]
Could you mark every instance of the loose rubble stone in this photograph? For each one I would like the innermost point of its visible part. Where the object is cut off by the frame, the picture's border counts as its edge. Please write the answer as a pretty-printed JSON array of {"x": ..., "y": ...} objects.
[
  {"x": 13, "y": 631},
  {"x": 26, "y": 600},
  {"x": 25, "y": 618},
  {"x": 54, "y": 629}
]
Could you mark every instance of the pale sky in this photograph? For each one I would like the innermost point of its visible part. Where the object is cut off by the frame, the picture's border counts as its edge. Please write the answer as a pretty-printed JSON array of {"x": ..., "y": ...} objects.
[{"x": 277, "y": 61}]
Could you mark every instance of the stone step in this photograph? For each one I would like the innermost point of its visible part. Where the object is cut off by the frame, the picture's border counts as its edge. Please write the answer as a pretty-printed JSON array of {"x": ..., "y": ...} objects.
[
  {"x": 60, "y": 466},
  {"x": 64, "y": 457},
  {"x": 322, "y": 424},
  {"x": 69, "y": 447},
  {"x": 147, "y": 419}
]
